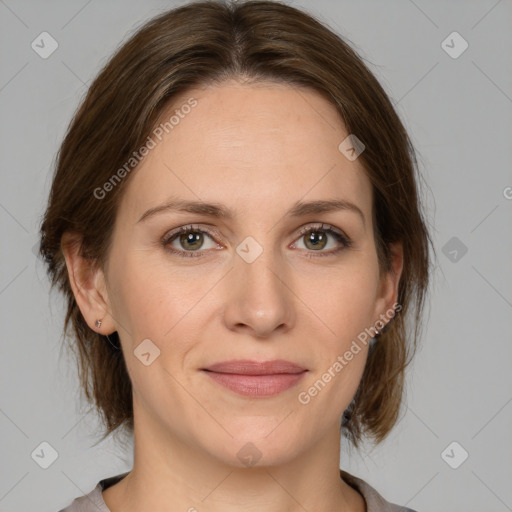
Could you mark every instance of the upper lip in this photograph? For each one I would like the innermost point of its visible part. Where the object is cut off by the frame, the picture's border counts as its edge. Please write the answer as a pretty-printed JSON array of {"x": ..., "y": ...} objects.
[{"x": 248, "y": 367}]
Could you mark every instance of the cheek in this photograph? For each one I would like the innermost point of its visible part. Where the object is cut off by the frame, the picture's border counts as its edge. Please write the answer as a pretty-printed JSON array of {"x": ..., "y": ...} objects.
[
  {"x": 342, "y": 301},
  {"x": 154, "y": 299}
]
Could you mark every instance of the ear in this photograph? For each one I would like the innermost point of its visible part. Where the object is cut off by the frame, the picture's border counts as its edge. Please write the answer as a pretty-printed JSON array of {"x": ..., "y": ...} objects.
[
  {"x": 88, "y": 285},
  {"x": 388, "y": 287}
]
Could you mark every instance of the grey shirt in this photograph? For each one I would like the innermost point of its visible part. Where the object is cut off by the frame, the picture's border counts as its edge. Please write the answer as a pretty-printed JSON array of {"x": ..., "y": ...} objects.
[{"x": 93, "y": 502}]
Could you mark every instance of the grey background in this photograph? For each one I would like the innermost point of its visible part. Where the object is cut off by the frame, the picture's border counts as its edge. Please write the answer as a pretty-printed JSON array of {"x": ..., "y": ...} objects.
[{"x": 458, "y": 112}]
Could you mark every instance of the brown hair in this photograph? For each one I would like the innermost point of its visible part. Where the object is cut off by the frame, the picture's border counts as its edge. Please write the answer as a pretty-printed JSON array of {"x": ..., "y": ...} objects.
[{"x": 208, "y": 42}]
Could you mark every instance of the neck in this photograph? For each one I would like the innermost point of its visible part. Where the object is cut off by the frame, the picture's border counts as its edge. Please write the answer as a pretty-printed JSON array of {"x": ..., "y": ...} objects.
[{"x": 171, "y": 474}]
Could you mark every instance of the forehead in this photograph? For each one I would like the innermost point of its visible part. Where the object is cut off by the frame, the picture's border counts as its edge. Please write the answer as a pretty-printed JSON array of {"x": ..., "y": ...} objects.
[{"x": 247, "y": 146}]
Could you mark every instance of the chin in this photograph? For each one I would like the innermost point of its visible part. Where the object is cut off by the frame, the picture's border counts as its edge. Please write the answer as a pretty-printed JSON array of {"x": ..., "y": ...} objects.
[{"x": 259, "y": 447}]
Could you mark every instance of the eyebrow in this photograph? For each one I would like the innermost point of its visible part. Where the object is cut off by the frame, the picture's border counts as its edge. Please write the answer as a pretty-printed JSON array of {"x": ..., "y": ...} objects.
[{"x": 217, "y": 210}]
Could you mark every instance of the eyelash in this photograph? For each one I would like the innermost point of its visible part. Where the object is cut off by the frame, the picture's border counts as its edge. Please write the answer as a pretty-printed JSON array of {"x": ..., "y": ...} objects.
[{"x": 170, "y": 237}]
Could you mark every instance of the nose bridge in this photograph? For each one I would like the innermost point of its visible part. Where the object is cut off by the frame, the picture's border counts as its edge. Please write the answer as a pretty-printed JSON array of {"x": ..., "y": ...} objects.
[
  {"x": 258, "y": 296},
  {"x": 259, "y": 265}
]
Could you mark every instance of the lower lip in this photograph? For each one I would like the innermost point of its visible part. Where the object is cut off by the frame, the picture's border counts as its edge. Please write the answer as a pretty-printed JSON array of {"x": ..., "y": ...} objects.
[{"x": 256, "y": 385}]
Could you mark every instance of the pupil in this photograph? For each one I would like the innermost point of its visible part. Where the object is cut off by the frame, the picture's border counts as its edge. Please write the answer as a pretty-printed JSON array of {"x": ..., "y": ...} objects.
[
  {"x": 190, "y": 239},
  {"x": 317, "y": 239}
]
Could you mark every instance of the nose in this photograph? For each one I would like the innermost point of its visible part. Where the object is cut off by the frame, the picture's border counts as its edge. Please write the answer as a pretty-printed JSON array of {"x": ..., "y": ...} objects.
[{"x": 259, "y": 297}]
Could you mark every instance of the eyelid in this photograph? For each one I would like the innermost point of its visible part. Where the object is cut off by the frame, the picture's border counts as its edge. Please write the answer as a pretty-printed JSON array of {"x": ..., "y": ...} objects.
[
  {"x": 186, "y": 228},
  {"x": 337, "y": 233},
  {"x": 321, "y": 226}
]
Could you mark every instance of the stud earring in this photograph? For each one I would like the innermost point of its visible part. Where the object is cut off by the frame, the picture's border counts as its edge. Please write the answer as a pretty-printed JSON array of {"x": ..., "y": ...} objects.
[{"x": 98, "y": 323}]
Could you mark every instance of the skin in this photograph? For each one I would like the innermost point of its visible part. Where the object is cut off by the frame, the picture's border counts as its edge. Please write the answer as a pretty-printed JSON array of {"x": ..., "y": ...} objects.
[{"x": 257, "y": 149}]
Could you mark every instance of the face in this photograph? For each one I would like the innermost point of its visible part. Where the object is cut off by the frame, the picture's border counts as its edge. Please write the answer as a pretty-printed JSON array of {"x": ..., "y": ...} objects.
[{"x": 258, "y": 276}]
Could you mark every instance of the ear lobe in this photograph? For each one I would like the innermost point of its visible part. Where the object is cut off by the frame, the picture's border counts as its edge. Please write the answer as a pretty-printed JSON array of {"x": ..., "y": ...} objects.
[{"x": 88, "y": 284}]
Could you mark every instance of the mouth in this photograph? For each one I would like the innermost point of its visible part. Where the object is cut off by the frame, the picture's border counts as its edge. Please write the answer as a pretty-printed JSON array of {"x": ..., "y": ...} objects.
[{"x": 254, "y": 378}]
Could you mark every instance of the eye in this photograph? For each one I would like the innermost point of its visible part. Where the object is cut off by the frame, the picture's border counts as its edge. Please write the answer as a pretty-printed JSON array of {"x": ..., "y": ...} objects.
[
  {"x": 317, "y": 238},
  {"x": 190, "y": 238},
  {"x": 189, "y": 241}
]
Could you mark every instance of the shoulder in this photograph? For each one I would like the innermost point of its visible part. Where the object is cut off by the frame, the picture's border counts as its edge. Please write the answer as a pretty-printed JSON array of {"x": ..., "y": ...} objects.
[
  {"x": 93, "y": 501},
  {"x": 374, "y": 501},
  {"x": 90, "y": 502}
]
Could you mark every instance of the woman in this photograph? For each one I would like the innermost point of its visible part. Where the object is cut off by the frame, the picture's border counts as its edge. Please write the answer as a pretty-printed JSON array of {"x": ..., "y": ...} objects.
[{"x": 235, "y": 223}]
